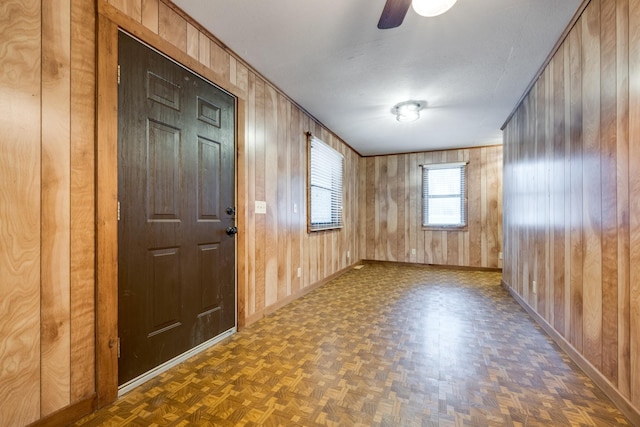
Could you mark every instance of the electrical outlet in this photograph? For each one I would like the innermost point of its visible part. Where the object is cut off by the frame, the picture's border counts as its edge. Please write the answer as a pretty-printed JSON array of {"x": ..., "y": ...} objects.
[
  {"x": 295, "y": 208},
  {"x": 535, "y": 287},
  {"x": 499, "y": 255},
  {"x": 413, "y": 251},
  {"x": 348, "y": 254},
  {"x": 299, "y": 272}
]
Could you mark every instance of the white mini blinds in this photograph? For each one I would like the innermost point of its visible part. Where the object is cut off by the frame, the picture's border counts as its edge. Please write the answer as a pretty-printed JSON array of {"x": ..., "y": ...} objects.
[
  {"x": 325, "y": 186},
  {"x": 444, "y": 195}
]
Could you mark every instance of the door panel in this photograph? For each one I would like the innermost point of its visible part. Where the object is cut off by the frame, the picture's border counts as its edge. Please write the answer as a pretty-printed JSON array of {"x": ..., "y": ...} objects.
[{"x": 176, "y": 169}]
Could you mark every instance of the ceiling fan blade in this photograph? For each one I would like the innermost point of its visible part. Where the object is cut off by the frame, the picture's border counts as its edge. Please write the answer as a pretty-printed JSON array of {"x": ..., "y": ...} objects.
[{"x": 393, "y": 13}]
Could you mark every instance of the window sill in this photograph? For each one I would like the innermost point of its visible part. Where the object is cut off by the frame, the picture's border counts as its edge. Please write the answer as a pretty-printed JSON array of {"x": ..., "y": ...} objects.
[
  {"x": 445, "y": 228},
  {"x": 328, "y": 228}
]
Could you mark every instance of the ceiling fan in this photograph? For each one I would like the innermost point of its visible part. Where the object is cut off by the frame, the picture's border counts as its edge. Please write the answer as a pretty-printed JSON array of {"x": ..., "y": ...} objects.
[{"x": 395, "y": 10}]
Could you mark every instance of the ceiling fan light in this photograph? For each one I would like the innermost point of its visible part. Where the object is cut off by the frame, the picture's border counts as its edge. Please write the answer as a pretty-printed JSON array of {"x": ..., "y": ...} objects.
[{"x": 429, "y": 8}]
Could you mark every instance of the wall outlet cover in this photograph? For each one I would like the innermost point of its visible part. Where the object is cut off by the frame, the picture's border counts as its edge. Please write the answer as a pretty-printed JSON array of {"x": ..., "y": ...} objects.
[{"x": 261, "y": 207}]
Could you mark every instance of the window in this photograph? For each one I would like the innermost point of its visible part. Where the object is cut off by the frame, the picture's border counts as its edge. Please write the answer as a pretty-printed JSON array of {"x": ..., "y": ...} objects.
[
  {"x": 444, "y": 195},
  {"x": 325, "y": 186}
]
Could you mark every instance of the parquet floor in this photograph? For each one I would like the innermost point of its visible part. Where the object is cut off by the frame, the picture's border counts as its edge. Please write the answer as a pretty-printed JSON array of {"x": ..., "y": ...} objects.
[{"x": 382, "y": 346}]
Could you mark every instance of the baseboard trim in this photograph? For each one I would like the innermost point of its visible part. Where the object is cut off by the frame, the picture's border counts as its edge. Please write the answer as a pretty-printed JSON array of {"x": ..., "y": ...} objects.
[
  {"x": 70, "y": 413},
  {"x": 298, "y": 294},
  {"x": 444, "y": 266},
  {"x": 621, "y": 402}
]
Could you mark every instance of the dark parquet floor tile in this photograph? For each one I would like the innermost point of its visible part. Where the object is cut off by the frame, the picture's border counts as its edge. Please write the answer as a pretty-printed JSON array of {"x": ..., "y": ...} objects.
[{"x": 385, "y": 345}]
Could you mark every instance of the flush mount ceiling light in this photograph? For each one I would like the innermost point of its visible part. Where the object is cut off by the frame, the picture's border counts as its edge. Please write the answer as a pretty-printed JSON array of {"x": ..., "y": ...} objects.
[
  {"x": 431, "y": 8},
  {"x": 408, "y": 111}
]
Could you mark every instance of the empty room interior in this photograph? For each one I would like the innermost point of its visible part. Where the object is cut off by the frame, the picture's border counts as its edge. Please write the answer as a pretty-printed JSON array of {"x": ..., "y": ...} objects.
[{"x": 320, "y": 213}]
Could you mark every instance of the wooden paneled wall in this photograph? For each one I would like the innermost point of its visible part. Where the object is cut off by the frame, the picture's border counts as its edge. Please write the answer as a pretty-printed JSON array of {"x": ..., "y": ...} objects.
[
  {"x": 572, "y": 195},
  {"x": 272, "y": 159},
  {"x": 47, "y": 90},
  {"x": 391, "y": 209},
  {"x": 48, "y": 219}
]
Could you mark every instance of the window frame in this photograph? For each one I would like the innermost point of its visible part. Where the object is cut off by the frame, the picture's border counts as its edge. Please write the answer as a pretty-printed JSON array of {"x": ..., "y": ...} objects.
[
  {"x": 463, "y": 195},
  {"x": 337, "y": 188}
]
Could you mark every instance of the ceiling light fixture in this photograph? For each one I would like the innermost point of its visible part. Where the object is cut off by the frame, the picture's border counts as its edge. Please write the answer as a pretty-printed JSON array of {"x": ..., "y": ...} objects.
[
  {"x": 431, "y": 8},
  {"x": 408, "y": 111}
]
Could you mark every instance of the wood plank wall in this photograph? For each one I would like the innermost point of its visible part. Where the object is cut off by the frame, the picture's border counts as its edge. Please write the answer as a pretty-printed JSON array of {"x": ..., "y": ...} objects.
[
  {"x": 572, "y": 194},
  {"x": 272, "y": 159},
  {"x": 392, "y": 210},
  {"x": 48, "y": 193},
  {"x": 46, "y": 207}
]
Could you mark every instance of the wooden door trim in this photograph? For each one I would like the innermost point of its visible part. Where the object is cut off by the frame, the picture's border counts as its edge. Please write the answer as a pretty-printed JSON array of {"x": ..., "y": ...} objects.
[{"x": 110, "y": 21}]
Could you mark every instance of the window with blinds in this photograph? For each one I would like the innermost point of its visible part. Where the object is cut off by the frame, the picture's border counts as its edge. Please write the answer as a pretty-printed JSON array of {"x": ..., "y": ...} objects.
[
  {"x": 325, "y": 186},
  {"x": 443, "y": 195}
]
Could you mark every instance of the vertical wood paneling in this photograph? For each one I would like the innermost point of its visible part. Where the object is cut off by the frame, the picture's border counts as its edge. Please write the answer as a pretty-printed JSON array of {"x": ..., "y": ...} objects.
[
  {"x": 540, "y": 193},
  {"x": 60, "y": 154},
  {"x": 474, "y": 209},
  {"x": 634, "y": 200},
  {"x": 567, "y": 200},
  {"x": 393, "y": 210},
  {"x": 270, "y": 180},
  {"x": 55, "y": 197},
  {"x": 250, "y": 176},
  {"x": 220, "y": 61},
  {"x": 150, "y": 14},
  {"x": 283, "y": 195},
  {"x": 391, "y": 230},
  {"x": 484, "y": 231},
  {"x": 558, "y": 194},
  {"x": 608, "y": 132},
  {"x": 423, "y": 256},
  {"x": 204, "y": 53},
  {"x": 414, "y": 201},
  {"x": 592, "y": 191},
  {"x": 370, "y": 229},
  {"x": 171, "y": 27},
  {"x": 242, "y": 274},
  {"x": 546, "y": 267},
  {"x": 593, "y": 214},
  {"x": 132, "y": 8},
  {"x": 401, "y": 196},
  {"x": 381, "y": 206},
  {"x": 577, "y": 247},
  {"x": 20, "y": 210},
  {"x": 82, "y": 250},
  {"x": 622, "y": 193},
  {"x": 260, "y": 194},
  {"x": 193, "y": 39},
  {"x": 295, "y": 202}
]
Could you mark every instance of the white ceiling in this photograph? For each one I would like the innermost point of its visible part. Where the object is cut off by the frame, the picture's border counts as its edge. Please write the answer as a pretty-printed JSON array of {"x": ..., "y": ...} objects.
[{"x": 471, "y": 65}]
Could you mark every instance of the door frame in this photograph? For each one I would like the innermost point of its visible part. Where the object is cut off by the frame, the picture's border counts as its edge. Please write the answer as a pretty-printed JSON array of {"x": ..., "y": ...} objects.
[{"x": 109, "y": 22}]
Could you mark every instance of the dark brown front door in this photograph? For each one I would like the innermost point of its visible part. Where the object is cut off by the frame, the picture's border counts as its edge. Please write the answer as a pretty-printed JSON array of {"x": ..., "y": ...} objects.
[{"x": 176, "y": 250}]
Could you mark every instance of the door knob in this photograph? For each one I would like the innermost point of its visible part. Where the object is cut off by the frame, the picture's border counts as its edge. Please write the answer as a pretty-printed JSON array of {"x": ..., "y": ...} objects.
[
  {"x": 230, "y": 211},
  {"x": 231, "y": 231}
]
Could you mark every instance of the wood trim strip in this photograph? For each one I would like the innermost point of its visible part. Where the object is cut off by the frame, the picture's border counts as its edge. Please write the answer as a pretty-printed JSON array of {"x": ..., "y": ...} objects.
[
  {"x": 83, "y": 128},
  {"x": 106, "y": 208},
  {"x": 241, "y": 212},
  {"x": 442, "y": 266},
  {"x": 546, "y": 62},
  {"x": 621, "y": 402},
  {"x": 432, "y": 151}
]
